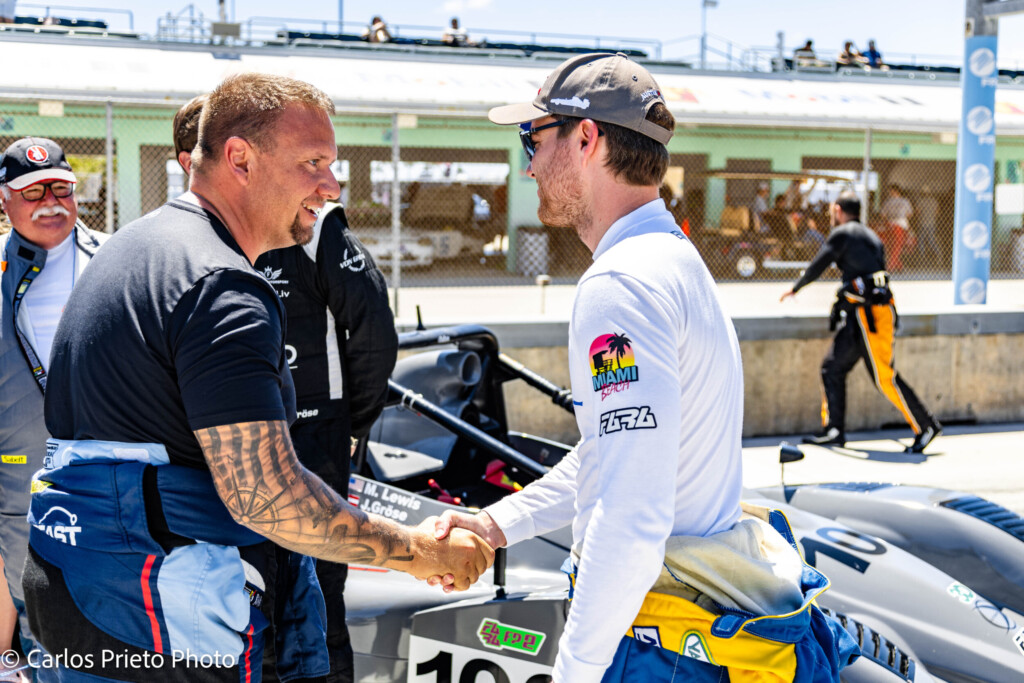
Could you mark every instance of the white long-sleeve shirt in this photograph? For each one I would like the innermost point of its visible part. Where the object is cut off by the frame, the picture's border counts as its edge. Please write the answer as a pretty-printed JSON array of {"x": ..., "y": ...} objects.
[{"x": 657, "y": 384}]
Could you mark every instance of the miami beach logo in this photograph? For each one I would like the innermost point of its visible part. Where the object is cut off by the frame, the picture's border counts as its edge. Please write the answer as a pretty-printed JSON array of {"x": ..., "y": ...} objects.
[{"x": 612, "y": 363}]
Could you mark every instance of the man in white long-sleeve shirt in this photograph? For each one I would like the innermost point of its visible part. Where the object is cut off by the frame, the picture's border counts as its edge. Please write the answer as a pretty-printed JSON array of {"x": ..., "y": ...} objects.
[
  {"x": 654, "y": 362},
  {"x": 662, "y": 553}
]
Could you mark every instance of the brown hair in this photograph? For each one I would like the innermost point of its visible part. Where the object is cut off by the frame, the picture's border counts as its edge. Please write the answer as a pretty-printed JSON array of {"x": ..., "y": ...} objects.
[
  {"x": 632, "y": 156},
  {"x": 248, "y": 106},
  {"x": 186, "y": 125}
]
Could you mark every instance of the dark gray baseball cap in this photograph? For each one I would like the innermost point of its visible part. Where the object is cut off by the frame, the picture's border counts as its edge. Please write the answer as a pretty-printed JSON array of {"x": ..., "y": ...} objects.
[{"x": 600, "y": 86}]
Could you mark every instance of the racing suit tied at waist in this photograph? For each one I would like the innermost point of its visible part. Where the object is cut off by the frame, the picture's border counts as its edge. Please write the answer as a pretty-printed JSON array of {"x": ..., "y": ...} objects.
[
  {"x": 741, "y": 600},
  {"x": 865, "y": 292},
  {"x": 190, "y": 590}
]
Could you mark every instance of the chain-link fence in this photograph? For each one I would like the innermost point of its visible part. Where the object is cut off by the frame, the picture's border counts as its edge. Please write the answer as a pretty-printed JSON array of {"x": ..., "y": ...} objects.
[{"x": 464, "y": 211}]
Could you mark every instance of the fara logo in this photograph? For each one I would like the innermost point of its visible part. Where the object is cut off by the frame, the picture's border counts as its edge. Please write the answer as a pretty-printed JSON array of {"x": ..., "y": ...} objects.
[
  {"x": 498, "y": 636},
  {"x": 975, "y": 235},
  {"x": 972, "y": 291},
  {"x": 979, "y": 121},
  {"x": 983, "y": 62},
  {"x": 977, "y": 178}
]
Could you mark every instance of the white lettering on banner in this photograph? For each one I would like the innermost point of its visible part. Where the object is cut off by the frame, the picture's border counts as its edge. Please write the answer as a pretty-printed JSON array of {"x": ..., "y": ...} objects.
[{"x": 308, "y": 413}]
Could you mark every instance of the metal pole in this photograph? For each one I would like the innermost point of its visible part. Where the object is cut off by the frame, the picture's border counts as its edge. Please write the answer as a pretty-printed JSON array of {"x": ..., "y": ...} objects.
[
  {"x": 865, "y": 194},
  {"x": 703, "y": 34},
  {"x": 109, "y": 228},
  {"x": 396, "y": 218},
  {"x": 341, "y": 16}
]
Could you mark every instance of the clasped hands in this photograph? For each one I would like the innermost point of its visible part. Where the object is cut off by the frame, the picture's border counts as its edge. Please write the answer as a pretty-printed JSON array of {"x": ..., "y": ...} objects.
[{"x": 453, "y": 550}]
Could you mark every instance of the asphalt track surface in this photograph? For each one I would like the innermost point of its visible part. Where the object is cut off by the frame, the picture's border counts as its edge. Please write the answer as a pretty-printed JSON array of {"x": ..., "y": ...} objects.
[{"x": 986, "y": 460}]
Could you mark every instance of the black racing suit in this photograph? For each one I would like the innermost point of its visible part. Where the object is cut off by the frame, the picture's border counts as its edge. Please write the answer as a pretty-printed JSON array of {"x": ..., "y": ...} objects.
[
  {"x": 864, "y": 318},
  {"x": 341, "y": 346}
]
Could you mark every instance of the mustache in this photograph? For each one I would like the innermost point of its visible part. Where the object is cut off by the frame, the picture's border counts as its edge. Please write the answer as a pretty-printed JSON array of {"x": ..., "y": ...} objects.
[{"x": 55, "y": 210}]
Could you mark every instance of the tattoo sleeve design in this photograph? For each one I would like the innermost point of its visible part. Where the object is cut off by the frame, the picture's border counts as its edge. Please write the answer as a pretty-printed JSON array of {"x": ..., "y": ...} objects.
[{"x": 266, "y": 489}]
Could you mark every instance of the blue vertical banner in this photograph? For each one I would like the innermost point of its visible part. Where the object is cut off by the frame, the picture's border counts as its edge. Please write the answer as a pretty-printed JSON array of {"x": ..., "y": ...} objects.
[{"x": 976, "y": 152}]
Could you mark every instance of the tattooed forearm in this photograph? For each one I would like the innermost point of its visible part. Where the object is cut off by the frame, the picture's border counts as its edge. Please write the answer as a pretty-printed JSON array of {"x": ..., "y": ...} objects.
[{"x": 266, "y": 489}]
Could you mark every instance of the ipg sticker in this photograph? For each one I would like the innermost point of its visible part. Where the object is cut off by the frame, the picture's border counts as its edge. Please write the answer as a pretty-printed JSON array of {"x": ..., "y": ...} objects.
[{"x": 498, "y": 636}]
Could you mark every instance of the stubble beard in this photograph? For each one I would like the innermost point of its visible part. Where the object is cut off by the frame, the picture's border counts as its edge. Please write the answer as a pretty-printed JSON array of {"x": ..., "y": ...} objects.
[
  {"x": 301, "y": 235},
  {"x": 561, "y": 195}
]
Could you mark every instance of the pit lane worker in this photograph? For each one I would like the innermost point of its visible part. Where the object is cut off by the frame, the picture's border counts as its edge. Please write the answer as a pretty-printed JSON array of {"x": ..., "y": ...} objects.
[
  {"x": 864, "y": 318},
  {"x": 171, "y": 464},
  {"x": 43, "y": 256},
  {"x": 658, "y": 392},
  {"x": 341, "y": 347}
]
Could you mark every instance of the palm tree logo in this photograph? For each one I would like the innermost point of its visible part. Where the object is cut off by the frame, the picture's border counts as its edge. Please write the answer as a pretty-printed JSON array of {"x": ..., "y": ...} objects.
[{"x": 619, "y": 344}]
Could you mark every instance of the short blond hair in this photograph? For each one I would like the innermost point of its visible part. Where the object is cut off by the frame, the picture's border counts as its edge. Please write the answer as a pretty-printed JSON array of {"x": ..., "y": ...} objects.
[{"x": 248, "y": 106}]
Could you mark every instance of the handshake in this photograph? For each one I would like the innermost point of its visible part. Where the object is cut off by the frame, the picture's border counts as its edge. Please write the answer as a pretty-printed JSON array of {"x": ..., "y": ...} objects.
[{"x": 453, "y": 550}]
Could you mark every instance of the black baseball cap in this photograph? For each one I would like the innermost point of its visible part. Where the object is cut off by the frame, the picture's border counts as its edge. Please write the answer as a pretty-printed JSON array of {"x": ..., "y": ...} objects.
[
  {"x": 34, "y": 160},
  {"x": 600, "y": 86}
]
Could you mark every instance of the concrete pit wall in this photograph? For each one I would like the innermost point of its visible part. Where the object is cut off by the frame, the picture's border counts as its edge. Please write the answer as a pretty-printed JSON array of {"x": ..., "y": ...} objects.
[{"x": 964, "y": 366}]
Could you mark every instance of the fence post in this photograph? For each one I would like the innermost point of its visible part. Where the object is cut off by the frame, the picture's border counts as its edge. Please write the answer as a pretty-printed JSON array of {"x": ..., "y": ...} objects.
[
  {"x": 865, "y": 194},
  {"x": 396, "y": 206},
  {"x": 109, "y": 228}
]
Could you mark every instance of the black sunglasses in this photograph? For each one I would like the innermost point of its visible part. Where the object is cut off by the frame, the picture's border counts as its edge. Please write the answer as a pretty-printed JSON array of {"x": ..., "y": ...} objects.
[{"x": 526, "y": 136}]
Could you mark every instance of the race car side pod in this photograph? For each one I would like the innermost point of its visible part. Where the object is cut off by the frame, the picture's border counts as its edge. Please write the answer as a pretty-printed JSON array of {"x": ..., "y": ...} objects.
[
  {"x": 560, "y": 396},
  {"x": 415, "y": 402}
]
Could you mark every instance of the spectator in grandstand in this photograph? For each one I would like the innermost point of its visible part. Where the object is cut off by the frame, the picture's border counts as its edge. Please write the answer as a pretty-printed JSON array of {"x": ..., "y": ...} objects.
[
  {"x": 804, "y": 57},
  {"x": 895, "y": 228},
  {"x": 873, "y": 56},
  {"x": 377, "y": 31},
  {"x": 851, "y": 56},
  {"x": 455, "y": 35}
]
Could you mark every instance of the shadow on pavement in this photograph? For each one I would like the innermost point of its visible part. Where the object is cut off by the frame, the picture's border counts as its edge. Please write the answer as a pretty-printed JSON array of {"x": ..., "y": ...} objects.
[{"x": 883, "y": 456}]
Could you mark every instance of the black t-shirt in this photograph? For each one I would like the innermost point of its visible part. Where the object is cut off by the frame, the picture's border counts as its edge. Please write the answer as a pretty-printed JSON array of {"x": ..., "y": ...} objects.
[{"x": 169, "y": 330}]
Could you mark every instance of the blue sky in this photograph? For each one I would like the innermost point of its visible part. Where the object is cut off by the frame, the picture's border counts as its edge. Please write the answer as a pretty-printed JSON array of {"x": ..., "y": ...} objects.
[{"x": 900, "y": 27}]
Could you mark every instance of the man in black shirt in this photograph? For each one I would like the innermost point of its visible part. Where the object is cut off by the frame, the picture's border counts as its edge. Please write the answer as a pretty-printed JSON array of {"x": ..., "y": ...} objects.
[
  {"x": 865, "y": 319},
  {"x": 340, "y": 346},
  {"x": 169, "y": 406}
]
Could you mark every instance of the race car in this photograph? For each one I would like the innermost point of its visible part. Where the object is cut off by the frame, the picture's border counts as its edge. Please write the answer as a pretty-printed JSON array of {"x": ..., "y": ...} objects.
[{"x": 929, "y": 581}]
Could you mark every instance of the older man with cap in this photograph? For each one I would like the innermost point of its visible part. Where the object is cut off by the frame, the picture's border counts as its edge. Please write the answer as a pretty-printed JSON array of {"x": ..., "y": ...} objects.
[
  {"x": 42, "y": 257},
  {"x": 652, "y": 489}
]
